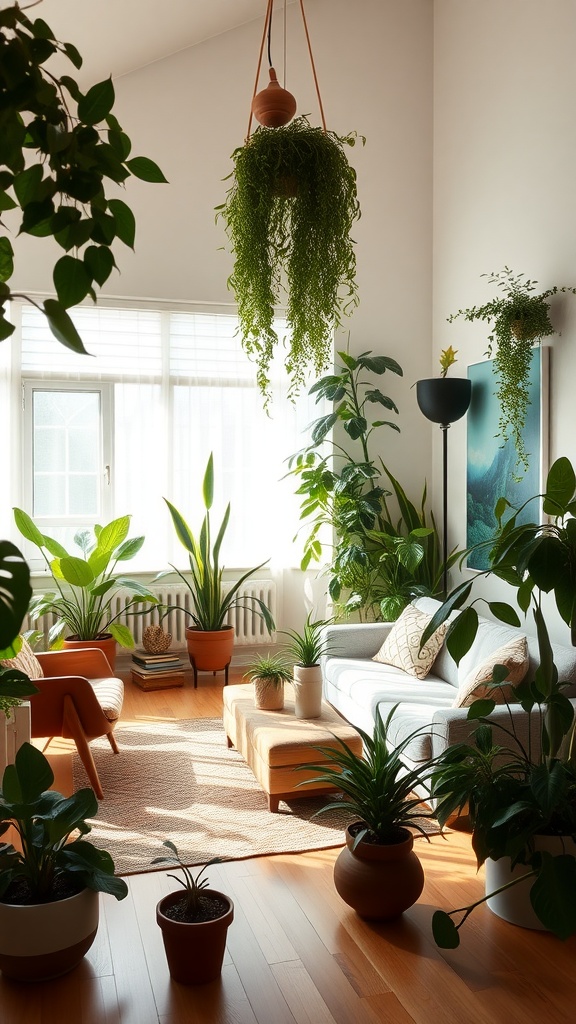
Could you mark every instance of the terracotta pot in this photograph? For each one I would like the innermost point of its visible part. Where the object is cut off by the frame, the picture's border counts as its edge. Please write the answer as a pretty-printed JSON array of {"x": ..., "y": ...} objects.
[
  {"x": 444, "y": 399},
  {"x": 269, "y": 694},
  {"x": 513, "y": 905},
  {"x": 107, "y": 644},
  {"x": 210, "y": 650},
  {"x": 379, "y": 882},
  {"x": 274, "y": 106},
  {"x": 46, "y": 940},
  {"x": 194, "y": 951},
  {"x": 307, "y": 691}
]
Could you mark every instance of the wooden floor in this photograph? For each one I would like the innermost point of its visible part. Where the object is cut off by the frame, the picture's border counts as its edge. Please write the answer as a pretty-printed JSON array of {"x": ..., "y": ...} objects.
[{"x": 296, "y": 953}]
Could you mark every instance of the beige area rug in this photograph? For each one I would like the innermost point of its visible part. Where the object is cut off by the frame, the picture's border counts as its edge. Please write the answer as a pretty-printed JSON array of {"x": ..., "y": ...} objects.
[{"x": 178, "y": 780}]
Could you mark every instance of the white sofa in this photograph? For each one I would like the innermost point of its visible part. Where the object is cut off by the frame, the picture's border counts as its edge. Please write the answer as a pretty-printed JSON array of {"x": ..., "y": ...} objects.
[{"x": 355, "y": 685}]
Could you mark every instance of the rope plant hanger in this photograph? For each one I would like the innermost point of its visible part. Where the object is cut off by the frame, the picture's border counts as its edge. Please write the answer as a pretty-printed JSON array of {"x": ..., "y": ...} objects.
[{"x": 288, "y": 216}]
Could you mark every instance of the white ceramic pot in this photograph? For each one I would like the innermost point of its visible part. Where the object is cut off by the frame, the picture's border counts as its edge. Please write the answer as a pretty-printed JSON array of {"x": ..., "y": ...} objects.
[
  {"x": 307, "y": 691},
  {"x": 45, "y": 940},
  {"x": 513, "y": 905}
]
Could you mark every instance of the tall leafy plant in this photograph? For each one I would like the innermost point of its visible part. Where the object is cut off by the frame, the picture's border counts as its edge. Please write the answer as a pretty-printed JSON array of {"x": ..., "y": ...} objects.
[
  {"x": 15, "y": 594},
  {"x": 59, "y": 148},
  {"x": 288, "y": 215}
]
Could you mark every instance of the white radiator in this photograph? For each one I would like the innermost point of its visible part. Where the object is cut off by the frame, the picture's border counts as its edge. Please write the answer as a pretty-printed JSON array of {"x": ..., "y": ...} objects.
[
  {"x": 249, "y": 627},
  {"x": 14, "y": 731}
]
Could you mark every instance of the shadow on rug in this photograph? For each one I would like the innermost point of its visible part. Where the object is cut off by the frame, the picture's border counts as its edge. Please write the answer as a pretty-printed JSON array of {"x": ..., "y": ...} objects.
[{"x": 178, "y": 780}]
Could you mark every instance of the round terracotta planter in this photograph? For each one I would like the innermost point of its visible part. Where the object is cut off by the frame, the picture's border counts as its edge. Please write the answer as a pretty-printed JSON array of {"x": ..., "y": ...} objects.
[
  {"x": 513, "y": 905},
  {"x": 45, "y": 940},
  {"x": 274, "y": 106},
  {"x": 194, "y": 951},
  {"x": 107, "y": 644},
  {"x": 269, "y": 694},
  {"x": 210, "y": 651},
  {"x": 379, "y": 882},
  {"x": 307, "y": 691}
]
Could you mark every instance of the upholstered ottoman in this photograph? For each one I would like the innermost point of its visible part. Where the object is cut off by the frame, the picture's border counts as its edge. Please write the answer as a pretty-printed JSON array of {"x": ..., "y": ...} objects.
[{"x": 274, "y": 742}]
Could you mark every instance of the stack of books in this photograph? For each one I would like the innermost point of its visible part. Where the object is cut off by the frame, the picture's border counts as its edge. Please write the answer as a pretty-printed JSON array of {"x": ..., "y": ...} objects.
[{"x": 157, "y": 671}]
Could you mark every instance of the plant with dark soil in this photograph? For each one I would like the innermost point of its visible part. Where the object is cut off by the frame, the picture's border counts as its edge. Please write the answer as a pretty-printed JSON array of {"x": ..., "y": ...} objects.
[{"x": 194, "y": 905}]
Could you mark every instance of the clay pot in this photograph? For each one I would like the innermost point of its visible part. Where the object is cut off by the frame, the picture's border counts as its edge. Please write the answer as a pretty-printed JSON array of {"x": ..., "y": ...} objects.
[
  {"x": 269, "y": 694},
  {"x": 307, "y": 691},
  {"x": 444, "y": 399},
  {"x": 194, "y": 950},
  {"x": 45, "y": 940},
  {"x": 513, "y": 905},
  {"x": 107, "y": 644},
  {"x": 210, "y": 651},
  {"x": 274, "y": 106},
  {"x": 379, "y": 881}
]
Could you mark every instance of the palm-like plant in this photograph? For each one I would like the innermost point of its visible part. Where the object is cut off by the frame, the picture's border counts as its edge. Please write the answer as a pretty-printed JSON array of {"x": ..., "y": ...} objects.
[
  {"x": 211, "y": 599},
  {"x": 307, "y": 647}
]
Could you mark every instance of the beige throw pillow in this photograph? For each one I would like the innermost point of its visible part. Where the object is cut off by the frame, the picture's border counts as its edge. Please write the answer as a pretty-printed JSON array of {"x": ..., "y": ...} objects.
[
  {"x": 514, "y": 655},
  {"x": 25, "y": 661},
  {"x": 401, "y": 647}
]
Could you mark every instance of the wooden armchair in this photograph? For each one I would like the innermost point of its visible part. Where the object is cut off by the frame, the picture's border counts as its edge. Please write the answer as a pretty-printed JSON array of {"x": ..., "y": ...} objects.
[{"x": 78, "y": 698}]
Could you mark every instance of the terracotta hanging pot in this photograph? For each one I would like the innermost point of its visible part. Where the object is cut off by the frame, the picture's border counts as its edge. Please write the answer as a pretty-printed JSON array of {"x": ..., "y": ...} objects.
[
  {"x": 379, "y": 881},
  {"x": 307, "y": 691},
  {"x": 194, "y": 949},
  {"x": 274, "y": 106},
  {"x": 444, "y": 399},
  {"x": 106, "y": 644}
]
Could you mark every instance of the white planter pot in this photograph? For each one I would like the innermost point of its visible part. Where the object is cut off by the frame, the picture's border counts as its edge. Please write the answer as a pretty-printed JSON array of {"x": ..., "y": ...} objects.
[
  {"x": 45, "y": 940},
  {"x": 513, "y": 905},
  {"x": 308, "y": 691}
]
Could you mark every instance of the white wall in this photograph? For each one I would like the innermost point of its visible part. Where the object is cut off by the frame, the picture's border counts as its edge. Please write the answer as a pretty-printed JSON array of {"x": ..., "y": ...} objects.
[
  {"x": 188, "y": 112},
  {"x": 505, "y": 148}
]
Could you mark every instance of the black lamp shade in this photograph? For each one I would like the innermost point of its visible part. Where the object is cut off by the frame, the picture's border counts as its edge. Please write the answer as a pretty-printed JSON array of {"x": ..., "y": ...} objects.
[{"x": 444, "y": 399}]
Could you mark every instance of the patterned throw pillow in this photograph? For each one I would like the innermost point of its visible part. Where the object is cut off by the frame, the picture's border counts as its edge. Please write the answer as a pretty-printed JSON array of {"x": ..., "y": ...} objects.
[
  {"x": 26, "y": 661},
  {"x": 401, "y": 647},
  {"x": 514, "y": 655}
]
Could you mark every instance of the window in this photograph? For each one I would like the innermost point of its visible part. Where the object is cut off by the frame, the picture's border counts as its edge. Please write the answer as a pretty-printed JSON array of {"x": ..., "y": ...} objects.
[{"x": 116, "y": 432}]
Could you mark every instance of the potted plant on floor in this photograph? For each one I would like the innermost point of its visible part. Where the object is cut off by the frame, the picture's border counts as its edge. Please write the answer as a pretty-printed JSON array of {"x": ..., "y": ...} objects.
[
  {"x": 305, "y": 649},
  {"x": 210, "y": 640},
  {"x": 87, "y": 585},
  {"x": 49, "y": 886},
  {"x": 288, "y": 216},
  {"x": 377, "y": 873},
  {"x": 194, "y": 924},
  {"x": 269, "y": 673},
  {"x": 519, "y": 318},
  {"x": 520, "y": 792}
]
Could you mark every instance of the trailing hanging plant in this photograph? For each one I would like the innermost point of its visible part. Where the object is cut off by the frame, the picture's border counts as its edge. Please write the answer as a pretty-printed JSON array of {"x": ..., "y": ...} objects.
[
  {"x": 58, "y": 147},
  {"x": 288, "y": 216},
  {"x": 519, "y": 318}
]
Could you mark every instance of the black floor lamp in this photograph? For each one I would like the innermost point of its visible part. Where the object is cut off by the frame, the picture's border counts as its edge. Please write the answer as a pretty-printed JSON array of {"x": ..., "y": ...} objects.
[{"x": 444, "y": 400}]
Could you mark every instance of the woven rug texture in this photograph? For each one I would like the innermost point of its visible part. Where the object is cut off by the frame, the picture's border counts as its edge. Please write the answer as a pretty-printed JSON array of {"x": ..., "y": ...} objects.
[{"x": 178, "y": 780}]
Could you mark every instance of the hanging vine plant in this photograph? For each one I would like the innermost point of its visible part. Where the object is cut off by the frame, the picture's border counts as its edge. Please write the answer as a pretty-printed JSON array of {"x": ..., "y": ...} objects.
[
  {"x": 288, "y": 215},
  {"x": 519, "y": 319}
]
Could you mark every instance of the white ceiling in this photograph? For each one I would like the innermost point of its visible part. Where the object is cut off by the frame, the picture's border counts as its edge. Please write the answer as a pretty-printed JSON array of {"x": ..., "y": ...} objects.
[{"x": 117, "y": 36}]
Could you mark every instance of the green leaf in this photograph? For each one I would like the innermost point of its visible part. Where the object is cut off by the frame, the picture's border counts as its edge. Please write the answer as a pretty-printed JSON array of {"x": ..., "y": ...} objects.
[
  {"x": 97, "y": 103},
  {"x": 6, "y": 202},
  {"x": 444, "y": 931},
  {"x": 28, "y": 528},
  {"x": 71, "y": 280},
  {"x": 125, "y": 221},
  {"x": 553, "y": 895},
  {"x": 560, "y": 486},
  {"x": 379, "y": 364},
  {"x": 15, "y": 592},
  {"x": 547, "y": 563},
  {"x": 75, "y": 571},
  {"x": 62, "y": 327},
  {"x": 100, "y": 262},
  {"x": 145, "y": 169},
  {"x": 114, "y": 533},
  {"x": 504, "y": 612},
  {"x": 27, "y": 184},
  {"x": 121, "y": 634},
  {"x": 6, "y": 260},
  {"x": 6, "y": 328},
  {"x": 461, "y": 634},
  {"x": 348, "y": 360},
  {"x": 73, "y": 55}
]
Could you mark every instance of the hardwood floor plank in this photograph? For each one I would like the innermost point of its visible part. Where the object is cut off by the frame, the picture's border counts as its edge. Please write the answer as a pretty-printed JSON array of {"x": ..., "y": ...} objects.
[
  {"x": 301, "y": 994},
  {"x": 133, "y": 985}
]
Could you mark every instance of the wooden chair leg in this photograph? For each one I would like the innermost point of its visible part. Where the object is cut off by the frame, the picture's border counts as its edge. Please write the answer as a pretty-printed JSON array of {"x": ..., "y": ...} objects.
[
  {"x": 73, "y": 725},
  {"x": 112, "y": 741}
]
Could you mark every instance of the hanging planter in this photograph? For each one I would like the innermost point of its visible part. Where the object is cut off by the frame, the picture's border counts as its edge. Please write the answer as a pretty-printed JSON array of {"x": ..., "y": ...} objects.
[{"x": 288, "y": 216}]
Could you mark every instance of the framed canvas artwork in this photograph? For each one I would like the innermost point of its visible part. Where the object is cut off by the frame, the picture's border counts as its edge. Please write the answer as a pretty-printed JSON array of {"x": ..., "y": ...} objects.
[{"x": 491, "y": 467}]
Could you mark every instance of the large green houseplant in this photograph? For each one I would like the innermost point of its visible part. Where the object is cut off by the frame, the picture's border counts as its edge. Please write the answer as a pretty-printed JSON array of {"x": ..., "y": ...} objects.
[
  {"x": 288, "y": 216},
  {"x": 15, "y": 594},
  {"x": 519, "y": 317},
  {"x": 87, "y": 584},
  {"x": 59, "y": 147},
  {"x": 518, "y": 793}
]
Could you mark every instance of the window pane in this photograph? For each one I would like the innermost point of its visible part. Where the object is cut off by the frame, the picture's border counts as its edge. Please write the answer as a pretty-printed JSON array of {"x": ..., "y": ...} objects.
[
  {"x": 49, "y": 494},
  {"x": 83, "y": 495},
  {"x": 67, "y": 441}
]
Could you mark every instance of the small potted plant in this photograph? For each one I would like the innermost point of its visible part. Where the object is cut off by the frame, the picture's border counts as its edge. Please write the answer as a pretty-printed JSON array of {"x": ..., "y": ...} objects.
[
  {"x": 288, "y": 216},
  {"x": 269, "y": 673},
  {"x": 49, "y": 884},
  {"x": 444, "y": 399},
  {"x": 518, "y": 318},
  {"x": 87, "y": 584},
  {"x": 194, "y": 924},
  {"x": 377, "y": 873},
  {"x": 210, "y": 640},
  {"x": 306, "y": 649}
]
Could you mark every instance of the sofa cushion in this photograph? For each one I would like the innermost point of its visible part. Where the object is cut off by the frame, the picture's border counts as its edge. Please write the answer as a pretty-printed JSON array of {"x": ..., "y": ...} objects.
[
  {"x": 444, "y": 665},
  {"x": 25, "y": 661},
  {"x": 401, "y": 647},
  {"x": 514, "y": 656},
  {"x": 489, "y": 638}
]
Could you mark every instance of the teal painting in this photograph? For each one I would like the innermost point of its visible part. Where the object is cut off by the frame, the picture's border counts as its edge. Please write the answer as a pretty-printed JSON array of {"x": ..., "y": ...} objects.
[{"x": 490, "y": 467}]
